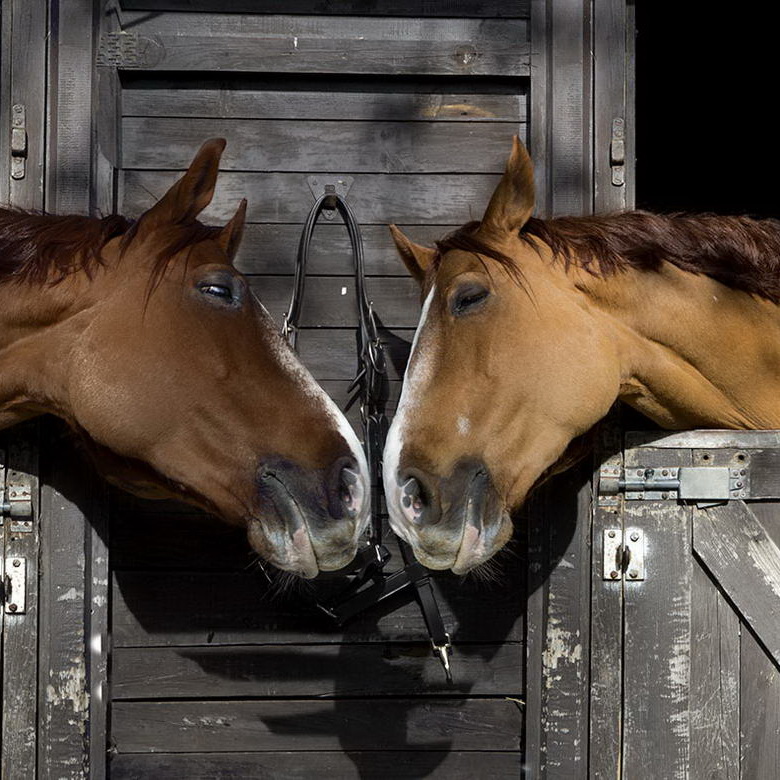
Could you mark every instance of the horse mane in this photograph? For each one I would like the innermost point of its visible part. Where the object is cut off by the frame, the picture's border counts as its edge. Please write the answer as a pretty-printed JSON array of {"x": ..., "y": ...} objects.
[
  {"x": 38, "y": 248},
  {"x": 740, "y": 252}
]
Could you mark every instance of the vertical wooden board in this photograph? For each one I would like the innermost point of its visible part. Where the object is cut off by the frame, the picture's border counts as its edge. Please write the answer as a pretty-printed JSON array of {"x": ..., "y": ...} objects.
[
  {"x": 714, "y": 696},
  {"x": 759, "y": 711},
  {"x": 20, "y": 631},
  {"x": 657, "y": 638},
  {"x": 6, "y": 26},
  {"x": 606, "y": 623}
]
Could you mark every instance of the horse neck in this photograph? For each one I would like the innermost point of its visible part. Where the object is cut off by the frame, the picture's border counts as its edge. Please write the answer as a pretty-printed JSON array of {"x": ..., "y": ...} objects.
[
  {"x": 38, "y": 326},
  {"x": 695, "y": 353}
]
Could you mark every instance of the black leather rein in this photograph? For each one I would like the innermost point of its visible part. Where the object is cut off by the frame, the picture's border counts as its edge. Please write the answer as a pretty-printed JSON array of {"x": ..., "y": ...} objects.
[{"x": 368, "y": 584}]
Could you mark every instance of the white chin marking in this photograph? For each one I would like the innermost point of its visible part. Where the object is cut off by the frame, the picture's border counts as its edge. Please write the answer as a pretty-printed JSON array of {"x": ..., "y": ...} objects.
[{"x": 415, "y": 379}]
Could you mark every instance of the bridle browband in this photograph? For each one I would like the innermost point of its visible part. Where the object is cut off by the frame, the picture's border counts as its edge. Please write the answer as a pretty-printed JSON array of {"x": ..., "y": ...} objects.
[{"x": 368, "y": 583}]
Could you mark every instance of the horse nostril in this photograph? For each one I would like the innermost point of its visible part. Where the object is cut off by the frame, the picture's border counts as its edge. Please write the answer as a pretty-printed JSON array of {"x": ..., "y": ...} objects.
[
  {"x": 351, "y": 490},
  {"x": 413, "y": 500}
]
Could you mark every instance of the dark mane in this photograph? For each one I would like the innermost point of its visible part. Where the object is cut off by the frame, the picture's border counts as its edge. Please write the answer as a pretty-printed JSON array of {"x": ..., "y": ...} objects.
[
  {"x": 740, "y": 252},
  {"x": 40, "y": 248}
]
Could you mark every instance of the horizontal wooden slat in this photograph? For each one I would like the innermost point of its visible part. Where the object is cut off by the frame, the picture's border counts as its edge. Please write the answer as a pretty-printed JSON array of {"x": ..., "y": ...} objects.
[
  {"x": 358, "y": 147},
  {"x": 316, "y": 44},
  {"x": 313, "y": 671},
  {"x": 343, "y": 764},
  {"x": 272, "y": 249},
  {"x": 378, "y": 199},
  {"x": 176, "y": 609},
  {"x": 478, "y": 8},
  {"x": 329, "y": 301},
  {"x": 227, "y": 100},
  {"x": 330, "y": 354},
  {"x": 227, "y": 726}
]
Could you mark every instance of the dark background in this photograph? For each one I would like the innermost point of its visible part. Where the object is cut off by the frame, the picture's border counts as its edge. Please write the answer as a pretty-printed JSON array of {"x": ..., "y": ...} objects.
[{"x": 708, "y": 108}]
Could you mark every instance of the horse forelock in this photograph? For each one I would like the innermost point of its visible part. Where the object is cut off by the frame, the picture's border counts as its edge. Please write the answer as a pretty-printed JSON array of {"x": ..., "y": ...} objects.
[
  {"x": 39, "y": 248},
  {"x": 740, "y": 252}
]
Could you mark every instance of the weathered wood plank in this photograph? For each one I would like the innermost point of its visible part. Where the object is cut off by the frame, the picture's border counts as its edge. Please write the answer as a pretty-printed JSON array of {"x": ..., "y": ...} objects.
[
  {"x": 241, "y": 726},
  {"x": 329, "y": 301},
  {"x": 441, "y": 199},
  {"x": 293, "y": 765},
  {"x": 313, "y": 671},
  {"x": 358, "y": 147},
  {"x": 714, "y": 682},
  {"x": 228, "y": 99},
  {"x": 383, "y": 45},
  {"x": 657, "y": 643},
  {"x": 421, "y": 8},
  {"x": 20, "y": 738},
  {"x": 272, "y": 249},
  {"x": 161, "y": 608},
  {"x": 759, "y": 711},
  {"x": 745, "y": 562}
]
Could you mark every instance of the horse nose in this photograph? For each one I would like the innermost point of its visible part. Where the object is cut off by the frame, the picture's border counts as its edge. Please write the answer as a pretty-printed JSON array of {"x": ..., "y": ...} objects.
[
  {"x": 347, "y": 489},
  {"x": 419, "y": 502}
]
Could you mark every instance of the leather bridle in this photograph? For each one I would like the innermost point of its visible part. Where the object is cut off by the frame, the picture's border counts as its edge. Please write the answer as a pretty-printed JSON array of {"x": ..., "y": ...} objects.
[{"x": 368, "y": 583}]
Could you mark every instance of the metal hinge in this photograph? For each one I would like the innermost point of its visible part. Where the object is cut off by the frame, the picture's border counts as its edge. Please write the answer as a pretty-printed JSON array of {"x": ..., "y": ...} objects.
[
  {"x": 624, "y": 555},
  {"x": 18, "y": 141},
  {"x": 17, "y": 503},
  {"x": 617, "y": 152},
  {"x": 684, "y": 483}
]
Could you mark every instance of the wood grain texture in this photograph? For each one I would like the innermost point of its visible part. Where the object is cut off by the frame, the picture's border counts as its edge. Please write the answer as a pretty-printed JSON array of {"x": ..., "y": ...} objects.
[
  {"x": 759, "y": 711},
  {"x": 421, "y": 8},
  {"x": 292, "y": 765},
  {"x": 357, "y": 147},
  {"x": 376, "y": 199},
  {"x": 745, "y": 562},
  {"x": 312, "y": 671},
  {"x": 230, "y": 99},
  {"x": 242, "y": 726},
  {"x": 657, "y": 643},
  {"x": 715, "y": 689}
]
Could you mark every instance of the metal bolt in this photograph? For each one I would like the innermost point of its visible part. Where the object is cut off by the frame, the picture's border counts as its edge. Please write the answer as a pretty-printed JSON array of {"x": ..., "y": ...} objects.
[
  {"x": 633, "y": 574},
  {"x": 17, "y": 562},
  {"x": 640, "y": 473},
  {"x": 614, "y": 575},
  {"x": 743, "y": 472},
  {"x": 12, "y": 607},
  {"x": 739, "y": 484},
  {"x": 664, "y": 495},
  {"x": 635, "y": 537},
  {"x": 611, "y": 534},
  {"x": 665, "y": 472}
]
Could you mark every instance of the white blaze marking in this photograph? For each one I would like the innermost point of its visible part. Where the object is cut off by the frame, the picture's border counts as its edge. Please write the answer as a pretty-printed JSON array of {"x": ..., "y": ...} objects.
[
  {"x": 464, "y": 426},
  {"x": 415, "y": 378}
]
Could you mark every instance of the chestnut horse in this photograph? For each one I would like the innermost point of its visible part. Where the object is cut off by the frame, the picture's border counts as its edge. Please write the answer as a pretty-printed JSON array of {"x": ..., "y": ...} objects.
[
  {"x": 147, "y": 341},
  {"x": 531, "y": 329}
]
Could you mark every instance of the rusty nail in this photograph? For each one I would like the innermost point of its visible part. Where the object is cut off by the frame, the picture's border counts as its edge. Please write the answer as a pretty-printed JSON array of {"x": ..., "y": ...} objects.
[
  {"x": 17, "y": 562},
  {"x": 12, "y": 607},
  {"x": 614, "y": 575}
]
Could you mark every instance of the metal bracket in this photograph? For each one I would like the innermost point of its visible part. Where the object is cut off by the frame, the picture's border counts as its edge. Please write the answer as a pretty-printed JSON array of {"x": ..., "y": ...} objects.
[
  {"x": 18, "y": 141},
  {"x": 322, "y": 185},
  {"x": 617, "y": 152},
  {"x": 684, "y": 483},
  {"x": 624, "y": 555},
  {"x": 15, "y": 586},
  {"x": 17, "y": 503}
]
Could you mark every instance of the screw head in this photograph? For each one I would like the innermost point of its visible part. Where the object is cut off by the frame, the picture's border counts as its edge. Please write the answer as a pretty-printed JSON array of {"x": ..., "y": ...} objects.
[
  {"x": 17, "y": 562},
  {"x": 633, "y": 574},
  {"x": 611, "y": 534},
  {"x": 614, "y": 575},
  {"x": 12, "y": 607},
  {"x": 634, "y": 537}
]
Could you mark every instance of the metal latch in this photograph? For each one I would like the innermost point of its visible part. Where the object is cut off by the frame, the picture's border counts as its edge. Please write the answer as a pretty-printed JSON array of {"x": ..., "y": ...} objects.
[
  {"x": 617, "y": 152},
  {"x": 333, "y": 185},
  {"x": 17, "y": 503},
  {"x": 624, "y": 555},
  {"x": 18, "y": 141},
  {"x": 685, "y": 483},
  {"x": 15, "y": 586}
]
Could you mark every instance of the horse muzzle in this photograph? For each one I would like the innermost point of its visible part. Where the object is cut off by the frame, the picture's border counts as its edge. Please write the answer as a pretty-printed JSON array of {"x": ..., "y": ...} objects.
[
  {"x": 455, "y": 522},
  {"x": 309, "y": 520}
]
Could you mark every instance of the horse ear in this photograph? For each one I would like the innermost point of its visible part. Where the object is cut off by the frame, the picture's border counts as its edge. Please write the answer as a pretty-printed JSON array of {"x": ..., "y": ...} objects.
[
  {"x": 193, "y": 192},
  {"x": 230, "y": 236},
  {"x": 513, "y": 201},
  {"x": 416, "y": 258}
]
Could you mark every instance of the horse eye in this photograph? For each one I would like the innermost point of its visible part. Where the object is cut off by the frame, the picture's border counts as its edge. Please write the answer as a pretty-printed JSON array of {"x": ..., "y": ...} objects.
[
  {"x": 217, "y": 290},
  {"x": 468, "y": 298}
]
